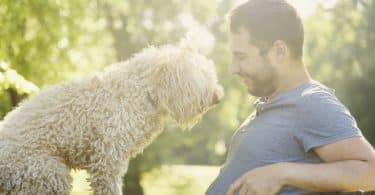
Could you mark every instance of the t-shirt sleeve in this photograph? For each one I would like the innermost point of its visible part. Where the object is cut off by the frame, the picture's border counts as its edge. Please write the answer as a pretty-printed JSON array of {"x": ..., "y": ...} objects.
[{"x": 323, "y": 119}]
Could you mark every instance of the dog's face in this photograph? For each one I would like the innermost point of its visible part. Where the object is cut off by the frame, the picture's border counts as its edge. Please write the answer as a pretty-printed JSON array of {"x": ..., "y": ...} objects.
[{"x": 186, "y": 84}]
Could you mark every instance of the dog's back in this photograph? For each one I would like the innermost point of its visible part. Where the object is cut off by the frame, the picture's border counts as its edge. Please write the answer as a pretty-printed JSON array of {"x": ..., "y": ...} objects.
[{"x": 34, "y": 143}]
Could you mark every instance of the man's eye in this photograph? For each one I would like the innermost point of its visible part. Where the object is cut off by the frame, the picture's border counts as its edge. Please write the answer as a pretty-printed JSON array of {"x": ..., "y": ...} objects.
[{"x": 241, "y": 57}]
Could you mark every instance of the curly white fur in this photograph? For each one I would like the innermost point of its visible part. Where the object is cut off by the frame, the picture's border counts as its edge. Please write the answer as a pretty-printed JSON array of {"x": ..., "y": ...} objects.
[{"x": 100, "y": 121}]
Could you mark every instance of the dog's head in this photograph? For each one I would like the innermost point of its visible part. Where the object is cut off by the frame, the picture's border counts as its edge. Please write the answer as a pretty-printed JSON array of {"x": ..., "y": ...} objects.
[{"x": 184, "y": 83}]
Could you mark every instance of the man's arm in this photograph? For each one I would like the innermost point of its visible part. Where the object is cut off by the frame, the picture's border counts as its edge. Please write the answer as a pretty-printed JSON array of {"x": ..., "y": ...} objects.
[{"x": 349, "y": 166}]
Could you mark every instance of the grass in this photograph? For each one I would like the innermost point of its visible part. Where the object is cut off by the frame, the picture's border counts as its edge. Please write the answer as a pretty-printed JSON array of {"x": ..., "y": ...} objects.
[
  {"x": 167, "y": 180},
  {"x": 80, "y": 184}
]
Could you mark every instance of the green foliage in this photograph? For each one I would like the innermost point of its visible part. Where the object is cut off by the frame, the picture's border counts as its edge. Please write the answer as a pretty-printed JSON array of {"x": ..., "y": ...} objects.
[
  {"x": 9, "y": 78},
  {"x": 178, "y": 179},
  {"x": 46, "y": 41}
]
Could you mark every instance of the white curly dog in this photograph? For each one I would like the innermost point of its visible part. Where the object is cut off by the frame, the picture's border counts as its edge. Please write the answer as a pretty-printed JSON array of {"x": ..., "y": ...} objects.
[{"x": 99, "y": 122}]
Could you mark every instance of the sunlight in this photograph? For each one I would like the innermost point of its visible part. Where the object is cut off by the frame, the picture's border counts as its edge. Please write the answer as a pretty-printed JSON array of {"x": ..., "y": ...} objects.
[
  {"x": 307, "y": 7},
  {"x": 304, "y": 7},
  {"x": 198, "y": 35}
]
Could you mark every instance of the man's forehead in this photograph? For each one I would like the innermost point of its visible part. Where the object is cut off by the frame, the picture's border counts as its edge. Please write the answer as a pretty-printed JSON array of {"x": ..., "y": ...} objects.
[
  {"x": 239, "y": 40},
  {"x": 240, "y": 33}
]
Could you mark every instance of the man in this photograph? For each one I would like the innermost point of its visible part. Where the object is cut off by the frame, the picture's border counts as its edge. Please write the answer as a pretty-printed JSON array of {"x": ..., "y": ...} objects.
[{"x": 300, "y": 138}]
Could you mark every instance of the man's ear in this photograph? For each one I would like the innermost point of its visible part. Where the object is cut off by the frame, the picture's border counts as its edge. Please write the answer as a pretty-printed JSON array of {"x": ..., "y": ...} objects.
[{"x": 279, "y": 50}]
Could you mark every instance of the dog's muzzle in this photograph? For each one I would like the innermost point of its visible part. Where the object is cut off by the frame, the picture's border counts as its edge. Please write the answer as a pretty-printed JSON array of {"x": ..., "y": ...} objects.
[{"x": 219, "y": 93}]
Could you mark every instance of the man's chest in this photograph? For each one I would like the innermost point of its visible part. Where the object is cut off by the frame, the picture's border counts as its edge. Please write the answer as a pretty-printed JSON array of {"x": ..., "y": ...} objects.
[{"x": 267, "y": 138}]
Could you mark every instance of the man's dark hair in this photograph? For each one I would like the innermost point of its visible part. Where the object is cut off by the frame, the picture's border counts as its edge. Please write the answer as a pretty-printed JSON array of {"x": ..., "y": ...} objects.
[{"x": 268, "y": 21}]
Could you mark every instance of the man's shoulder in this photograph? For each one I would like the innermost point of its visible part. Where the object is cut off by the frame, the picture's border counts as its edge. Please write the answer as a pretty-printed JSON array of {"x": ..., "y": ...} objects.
[
  {"x": 319, "y": 105},
  {"x": 318, "y": 98},
  {"x": 317, "y": 93},
  {"x": 317, "y": 90}
]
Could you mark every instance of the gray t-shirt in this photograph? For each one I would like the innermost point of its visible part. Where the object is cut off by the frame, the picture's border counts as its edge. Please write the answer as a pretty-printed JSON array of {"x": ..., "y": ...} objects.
[{"x": 285, "y": 129}]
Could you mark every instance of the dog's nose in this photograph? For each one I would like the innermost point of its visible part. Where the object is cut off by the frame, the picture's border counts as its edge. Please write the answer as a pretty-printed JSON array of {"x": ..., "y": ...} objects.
[
  {"x": 216, "y": 99},
  {"x": 219, "y": 93}
]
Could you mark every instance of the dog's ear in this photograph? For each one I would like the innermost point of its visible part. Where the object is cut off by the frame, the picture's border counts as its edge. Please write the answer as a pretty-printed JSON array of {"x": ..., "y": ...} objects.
[{"x": 177, "y": 86}]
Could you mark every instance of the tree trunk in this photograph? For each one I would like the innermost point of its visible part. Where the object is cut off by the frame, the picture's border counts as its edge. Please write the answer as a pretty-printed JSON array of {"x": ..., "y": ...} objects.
[
  {"x": 132, "y": 180},
  {"x": 15, "y": 97}
]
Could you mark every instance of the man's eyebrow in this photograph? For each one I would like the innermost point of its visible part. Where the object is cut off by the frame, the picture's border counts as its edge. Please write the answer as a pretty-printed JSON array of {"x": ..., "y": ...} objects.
[{"x": 238, "y": 53}]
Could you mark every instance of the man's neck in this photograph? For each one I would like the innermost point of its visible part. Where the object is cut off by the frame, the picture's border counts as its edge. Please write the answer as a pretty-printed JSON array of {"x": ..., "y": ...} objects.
[{"x": 295, "y": 76}]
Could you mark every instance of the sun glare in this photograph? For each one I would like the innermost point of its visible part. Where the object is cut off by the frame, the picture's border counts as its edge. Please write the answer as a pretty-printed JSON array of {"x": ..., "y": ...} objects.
[{"x": 304, "y": 7}]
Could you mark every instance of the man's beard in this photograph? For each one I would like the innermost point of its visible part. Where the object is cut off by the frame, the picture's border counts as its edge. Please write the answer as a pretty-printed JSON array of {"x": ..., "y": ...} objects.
[{"x": 263, "y": 85}]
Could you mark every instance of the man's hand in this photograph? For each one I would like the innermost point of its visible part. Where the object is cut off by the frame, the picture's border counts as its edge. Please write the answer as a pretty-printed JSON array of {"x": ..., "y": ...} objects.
[{"x": 267, "y": 180}]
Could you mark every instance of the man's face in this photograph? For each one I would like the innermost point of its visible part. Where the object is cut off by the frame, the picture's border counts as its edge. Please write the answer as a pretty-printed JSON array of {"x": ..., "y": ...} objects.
[{"x": 255, "y": 69}]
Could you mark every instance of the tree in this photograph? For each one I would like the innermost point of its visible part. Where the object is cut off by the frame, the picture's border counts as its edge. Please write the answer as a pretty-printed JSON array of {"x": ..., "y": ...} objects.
[{"x": 47, "y": 41}]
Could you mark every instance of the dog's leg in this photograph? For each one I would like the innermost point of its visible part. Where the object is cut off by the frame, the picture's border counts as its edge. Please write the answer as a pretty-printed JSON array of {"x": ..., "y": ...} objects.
[
  {"x": 37, "y": 175},
  {"x": 104, "y": 181},
  {"x": 106, "y": 176}
]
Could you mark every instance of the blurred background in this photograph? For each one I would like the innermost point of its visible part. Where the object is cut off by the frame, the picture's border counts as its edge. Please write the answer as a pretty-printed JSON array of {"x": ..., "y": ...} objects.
[{"x": 45, "y": 41}]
